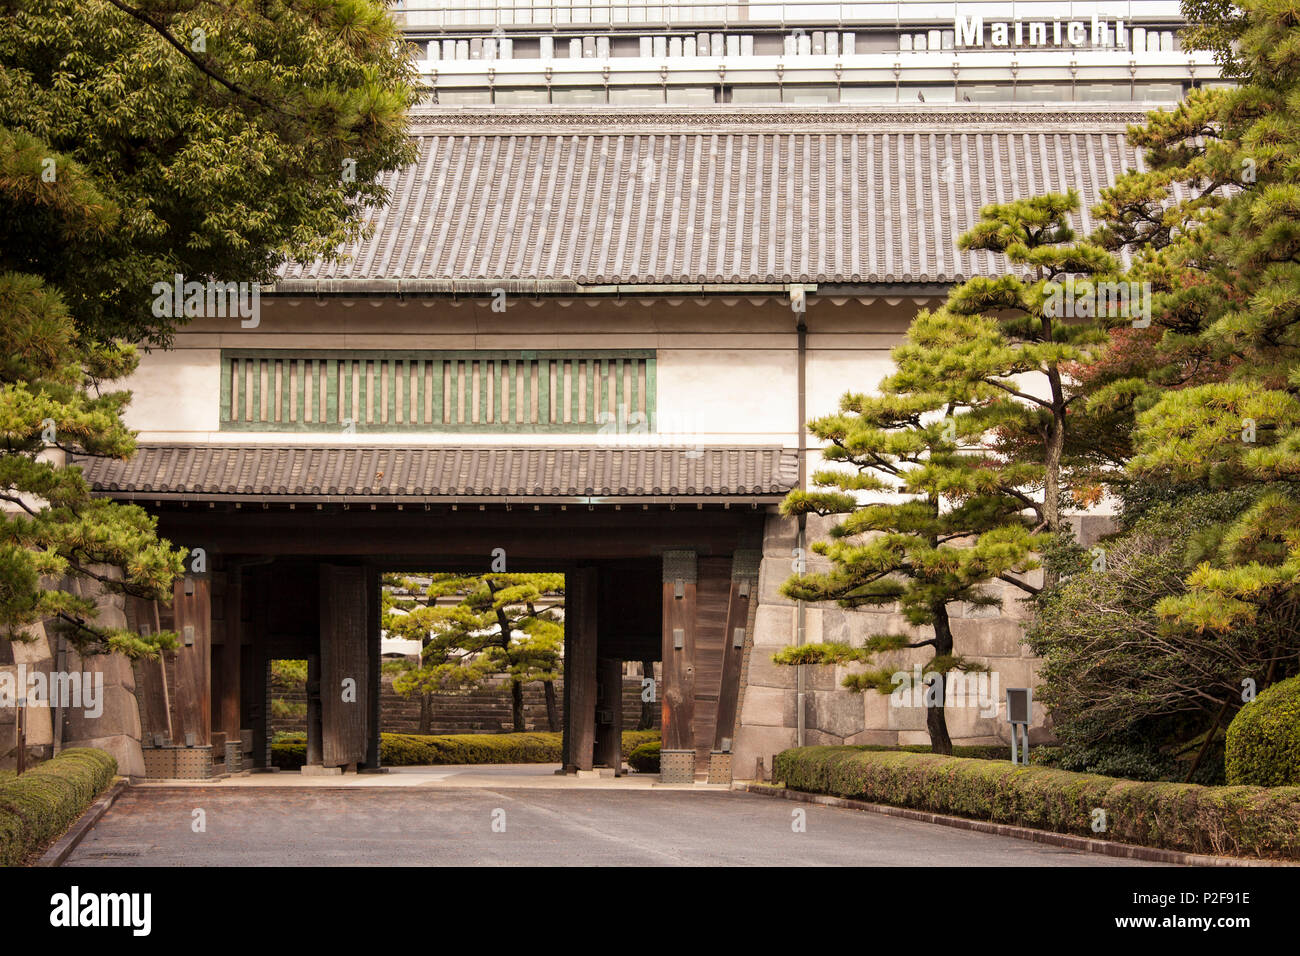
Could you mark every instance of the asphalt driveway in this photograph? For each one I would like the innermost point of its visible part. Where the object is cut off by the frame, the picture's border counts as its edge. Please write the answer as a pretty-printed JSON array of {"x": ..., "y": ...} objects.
[{"x": 503, "y": 826}]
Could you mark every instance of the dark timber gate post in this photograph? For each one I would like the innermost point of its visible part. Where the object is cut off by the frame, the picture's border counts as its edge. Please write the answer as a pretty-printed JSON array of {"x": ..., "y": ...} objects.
[
  {"x": 192, "y": 609},
  {"x": 744, "y": 583},
  {"x": 315, "y": 754},
  {"x": 373, "y": 591},
  {"x": 677, "y": 756},
  {"x": 609, "y": 714},
  {"x": 232, "y": 636},
  {"x": 345, "y": 665},
  {"x": 580, "y": 667}
]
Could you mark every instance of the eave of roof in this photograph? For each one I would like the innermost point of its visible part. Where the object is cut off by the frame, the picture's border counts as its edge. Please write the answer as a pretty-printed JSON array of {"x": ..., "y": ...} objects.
[{"x": 447, "y": 475}]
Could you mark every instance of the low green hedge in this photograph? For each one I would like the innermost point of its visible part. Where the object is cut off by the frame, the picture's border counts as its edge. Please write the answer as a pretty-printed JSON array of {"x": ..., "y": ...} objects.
[
  {"x": 645, "y": 758},
  {"x": 410, "y": 750},
  {"x": 38, "y": 806},
  {"x": 1263, "y": 743},
  {"x": 1239, "y": 821}
]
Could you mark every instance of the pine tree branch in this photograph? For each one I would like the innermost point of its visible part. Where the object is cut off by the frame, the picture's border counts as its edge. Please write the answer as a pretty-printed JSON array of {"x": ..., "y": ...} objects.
[
  {"x": 1020, "y": 584},
  {"x": 1017, "y": 393}
]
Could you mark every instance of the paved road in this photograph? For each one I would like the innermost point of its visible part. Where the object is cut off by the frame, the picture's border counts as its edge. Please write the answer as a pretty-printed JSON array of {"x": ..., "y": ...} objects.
[{"x": 444, "y": 826}]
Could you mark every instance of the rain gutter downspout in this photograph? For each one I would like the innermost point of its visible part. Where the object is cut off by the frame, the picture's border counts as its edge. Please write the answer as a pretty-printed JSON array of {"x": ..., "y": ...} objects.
[{"x": 799, "y": 301}]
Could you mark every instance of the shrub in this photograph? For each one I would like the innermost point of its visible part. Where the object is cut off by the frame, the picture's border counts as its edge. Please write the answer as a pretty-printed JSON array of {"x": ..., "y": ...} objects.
[
  {"x": 1243, "y": 821},
  {"x": 408, "y": 750},
  {"x": 645, "y": 758},
  {"x": 1263, "y": 746},
  {"x": 1132, "y": 693},
  {"x": 632, "y": 739},
  {"x": 38, "y": 806}
]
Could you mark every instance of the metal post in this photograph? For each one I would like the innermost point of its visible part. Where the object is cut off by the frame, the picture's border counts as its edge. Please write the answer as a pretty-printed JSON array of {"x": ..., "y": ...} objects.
[{"x": 21, "y": 727}]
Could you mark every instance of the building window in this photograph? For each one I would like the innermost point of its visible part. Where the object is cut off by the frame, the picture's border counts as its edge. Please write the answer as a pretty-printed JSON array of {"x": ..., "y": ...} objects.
[
  {"x": 884, "y": 93},
  {"x": 985, "y": 93},
  {"x": 809, "y": 94},
  {"x": 577, "y": 96},
  {"x": 290, "y": 390},
  {"x": 472, "y": 97}
]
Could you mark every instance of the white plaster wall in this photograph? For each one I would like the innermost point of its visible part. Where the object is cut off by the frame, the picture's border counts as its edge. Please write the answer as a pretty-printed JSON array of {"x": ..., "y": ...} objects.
[{"x": 727, "y": 369}]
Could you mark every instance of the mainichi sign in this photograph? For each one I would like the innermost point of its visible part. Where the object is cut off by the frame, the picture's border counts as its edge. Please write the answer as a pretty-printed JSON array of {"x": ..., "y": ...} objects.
[{"x": 1096, "y": 32}]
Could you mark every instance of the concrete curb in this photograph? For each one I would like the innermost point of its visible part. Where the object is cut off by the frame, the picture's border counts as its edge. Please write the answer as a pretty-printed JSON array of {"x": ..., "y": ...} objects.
[
  {"x": 63, "y": 847},
  {"x": 1068, "y": 840}
]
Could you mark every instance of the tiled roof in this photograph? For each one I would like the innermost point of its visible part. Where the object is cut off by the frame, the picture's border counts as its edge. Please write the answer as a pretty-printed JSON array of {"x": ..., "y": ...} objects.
[
  {"x": 564, "y": 199},
  {"x": 445, "y": 473}
]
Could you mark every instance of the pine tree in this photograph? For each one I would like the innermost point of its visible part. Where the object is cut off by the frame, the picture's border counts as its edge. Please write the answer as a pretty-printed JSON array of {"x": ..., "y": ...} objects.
[
  {"x": 958, "y": 524},
  {"x": 1229, "y": 339},
  {"x": 502, "y": 625},
  {"x": 1015, "y": 341},
  {"x": 53, "y": 533}
]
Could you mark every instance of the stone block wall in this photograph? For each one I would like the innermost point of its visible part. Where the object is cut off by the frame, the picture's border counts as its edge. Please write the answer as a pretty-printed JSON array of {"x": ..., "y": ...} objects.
[
  {"x": 115, "y": 727},
  {"x": 833, "y": 715}
]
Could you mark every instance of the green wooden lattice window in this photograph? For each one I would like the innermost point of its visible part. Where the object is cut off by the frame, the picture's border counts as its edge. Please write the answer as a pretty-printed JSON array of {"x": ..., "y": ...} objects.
[{"x": 295, "y": 390}]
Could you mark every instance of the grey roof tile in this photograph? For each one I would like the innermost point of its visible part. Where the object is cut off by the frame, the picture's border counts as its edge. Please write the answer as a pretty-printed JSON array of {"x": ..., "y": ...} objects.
[
  {"x": 447, "y": 472},
  {"x": 709, "y": 197}
]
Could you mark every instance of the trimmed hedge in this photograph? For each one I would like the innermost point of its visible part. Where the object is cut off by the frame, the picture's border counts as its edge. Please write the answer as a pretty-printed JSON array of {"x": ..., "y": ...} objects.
[
  {"x": 1263, "y": 743},
  {"x": 645, "y": 758},
  {"x": 38, "y": 806},
  {"x": 1239, "y": 821},
  {"x": 411, "y": 750}
]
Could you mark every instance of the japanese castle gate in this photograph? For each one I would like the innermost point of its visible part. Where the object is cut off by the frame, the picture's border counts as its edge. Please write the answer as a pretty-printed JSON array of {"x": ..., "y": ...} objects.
[{"x": 589, "y": 341}]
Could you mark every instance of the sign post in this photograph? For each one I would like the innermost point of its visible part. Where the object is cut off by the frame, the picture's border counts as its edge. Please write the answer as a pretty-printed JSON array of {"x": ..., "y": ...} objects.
[
  {"x": 21, "y": 727},
  {"x": 1020, "y": 703}
]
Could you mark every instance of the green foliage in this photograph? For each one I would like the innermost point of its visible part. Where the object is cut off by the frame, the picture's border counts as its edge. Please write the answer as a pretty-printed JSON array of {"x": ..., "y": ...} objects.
[
  {"x": 645, "y": 758},
  {"x": 632, "y": 739},
  {"x": 1263, "y": 746},
  {"x": 1214, "y": 390},
  {"x": 501, "y": 624},
  {"x": 1217, "y": 26},
  {"x": 1238, "y": 821},
  {"x": 402, "y": 750},
  {"x": 1127, "y": 686},
  {"x": 289, "y": 674},
  {"x": 38, "y": 806},
  {"x": 131, "y": 152},
  {"x": 286, "y": 709},
  {"x": 53, "y": 534},
  {"x": 925, "y": 515},
  {"x": 264, "y": 145},
  {"x": 1008, "y": 347}
]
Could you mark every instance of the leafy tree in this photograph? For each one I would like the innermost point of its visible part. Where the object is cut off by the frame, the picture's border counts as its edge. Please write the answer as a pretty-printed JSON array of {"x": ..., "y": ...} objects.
[
  {"x": 502, "y": 624},
  {"x": 1217, "y": 26},
  {"x": 137, "y": 141},
  {"x": 232, "y": 136},
  {"x": 959, "y": 526}
]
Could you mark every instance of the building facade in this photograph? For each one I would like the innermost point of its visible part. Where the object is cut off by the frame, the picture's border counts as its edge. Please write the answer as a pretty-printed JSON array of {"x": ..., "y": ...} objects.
[{"x": 586, "y": 335}]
